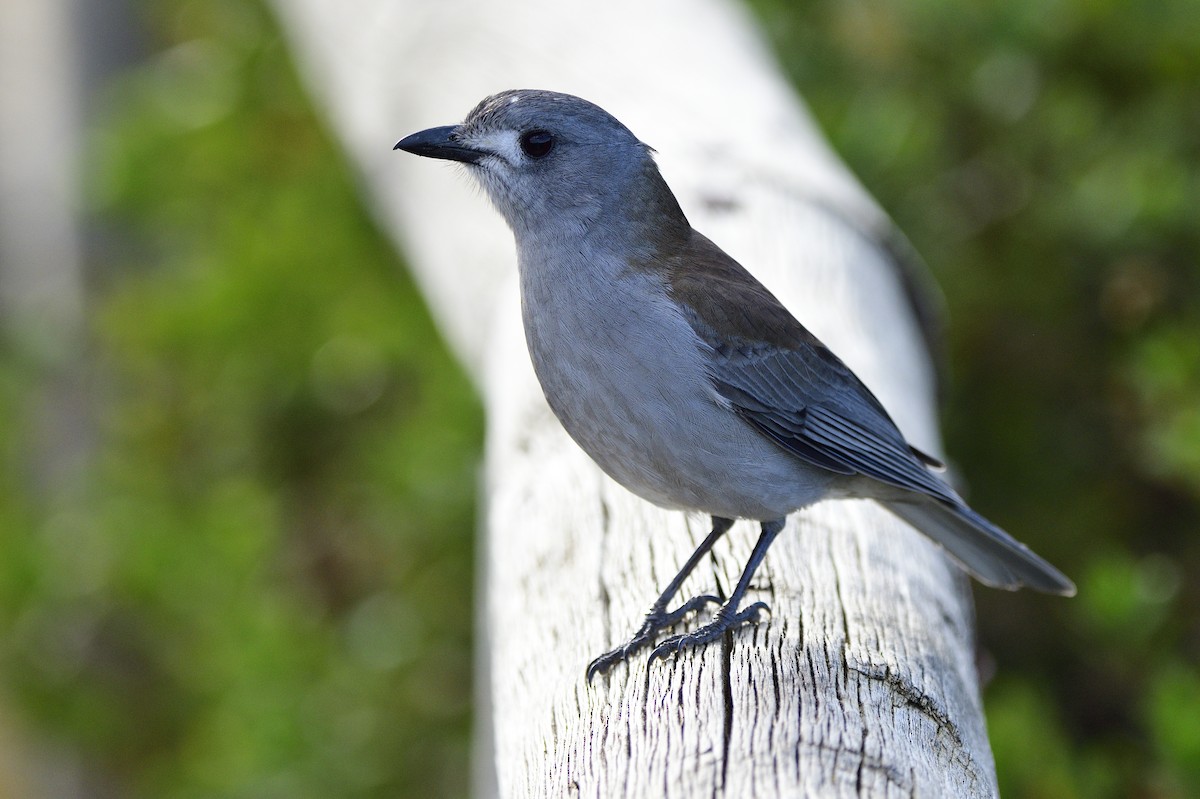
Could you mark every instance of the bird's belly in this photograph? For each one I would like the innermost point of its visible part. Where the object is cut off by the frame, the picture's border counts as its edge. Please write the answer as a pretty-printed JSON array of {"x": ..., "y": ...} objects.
[
  {"x": 700, "y": 458},
  {"x": 634, "y": 394}
]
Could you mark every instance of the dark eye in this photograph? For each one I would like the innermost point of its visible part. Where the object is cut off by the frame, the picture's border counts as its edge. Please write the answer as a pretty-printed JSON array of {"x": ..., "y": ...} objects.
[{"x": 537, "y": 143}]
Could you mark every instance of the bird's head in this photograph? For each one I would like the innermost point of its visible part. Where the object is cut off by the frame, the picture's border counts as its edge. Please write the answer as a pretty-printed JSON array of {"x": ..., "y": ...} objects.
[{"x": 552, "y": 163}]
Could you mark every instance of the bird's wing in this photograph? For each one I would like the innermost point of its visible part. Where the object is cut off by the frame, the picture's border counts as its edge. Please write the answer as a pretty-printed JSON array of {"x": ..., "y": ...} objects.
[{"x": 787, "y": 384}]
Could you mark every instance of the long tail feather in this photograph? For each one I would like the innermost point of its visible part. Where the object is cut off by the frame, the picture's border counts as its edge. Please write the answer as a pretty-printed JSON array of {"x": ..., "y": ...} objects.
[{"x": 991, "y": 555}]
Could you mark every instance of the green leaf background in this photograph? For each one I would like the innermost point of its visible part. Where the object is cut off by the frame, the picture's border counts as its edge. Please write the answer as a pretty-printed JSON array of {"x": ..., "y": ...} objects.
[{"x": 262, "y": 583}]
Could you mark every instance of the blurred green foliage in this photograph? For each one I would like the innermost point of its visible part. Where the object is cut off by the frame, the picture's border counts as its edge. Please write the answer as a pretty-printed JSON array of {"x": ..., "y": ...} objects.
[
  {"x": 1044, "y": 157},
  {"x": 262, "y": 584}
]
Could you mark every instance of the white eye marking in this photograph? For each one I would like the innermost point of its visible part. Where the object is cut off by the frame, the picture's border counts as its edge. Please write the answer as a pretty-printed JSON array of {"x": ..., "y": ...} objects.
[{"x": 503, "y": 143}]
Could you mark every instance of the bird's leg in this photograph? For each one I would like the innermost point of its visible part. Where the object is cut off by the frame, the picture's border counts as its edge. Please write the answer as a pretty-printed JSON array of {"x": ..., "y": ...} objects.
[
  {"x": 659, "y": 618},
  {"x": 728, "y": 616}
]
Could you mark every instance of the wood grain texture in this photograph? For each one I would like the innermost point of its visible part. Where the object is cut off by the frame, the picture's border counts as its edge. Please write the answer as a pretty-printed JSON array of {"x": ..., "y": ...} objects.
[{"x": 862, "y": 682}]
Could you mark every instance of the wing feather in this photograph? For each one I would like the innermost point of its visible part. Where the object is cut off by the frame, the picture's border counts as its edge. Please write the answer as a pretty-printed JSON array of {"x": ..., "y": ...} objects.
[{"x": 787, "y": 384}]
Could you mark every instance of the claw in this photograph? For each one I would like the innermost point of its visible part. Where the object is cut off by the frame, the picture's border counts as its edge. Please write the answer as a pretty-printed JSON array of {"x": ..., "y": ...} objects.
[
  {"x": 668, "y": 647},
  {"x": 657, "y": 620},
  {"x": 726, "y": 618},
  {"x": 722, "y": 622},
  {"x": 751, "y": 614},
  {"x": 693, "y": 605}
]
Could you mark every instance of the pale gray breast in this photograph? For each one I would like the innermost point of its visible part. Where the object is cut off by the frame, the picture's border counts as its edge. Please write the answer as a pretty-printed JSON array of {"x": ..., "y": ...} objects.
[
  {"x": 625, "y": 373},
  {"x": 613, "y": 356}
]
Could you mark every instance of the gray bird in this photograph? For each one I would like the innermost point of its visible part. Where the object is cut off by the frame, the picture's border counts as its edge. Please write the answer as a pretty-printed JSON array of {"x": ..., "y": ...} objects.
[{"x": 679, "y": 373}]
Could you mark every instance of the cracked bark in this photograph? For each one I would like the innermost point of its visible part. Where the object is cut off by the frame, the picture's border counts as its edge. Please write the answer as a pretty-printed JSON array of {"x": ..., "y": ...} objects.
[{"x": 862, "y": 681}]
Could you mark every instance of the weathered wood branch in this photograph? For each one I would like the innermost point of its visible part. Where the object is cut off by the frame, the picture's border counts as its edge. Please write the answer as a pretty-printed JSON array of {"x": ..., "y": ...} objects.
[{"x": 863, "y": 681}]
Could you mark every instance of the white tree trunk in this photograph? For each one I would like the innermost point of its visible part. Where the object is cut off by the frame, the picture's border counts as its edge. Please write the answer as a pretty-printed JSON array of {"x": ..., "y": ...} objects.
[{"x": 863, "y": 680}]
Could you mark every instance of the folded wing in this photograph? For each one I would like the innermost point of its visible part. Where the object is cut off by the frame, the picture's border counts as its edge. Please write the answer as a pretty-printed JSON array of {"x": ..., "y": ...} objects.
[{"x": 791, "y": 388}]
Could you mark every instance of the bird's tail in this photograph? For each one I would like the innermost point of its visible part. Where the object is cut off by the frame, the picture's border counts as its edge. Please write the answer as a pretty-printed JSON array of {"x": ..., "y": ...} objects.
[{"x": 991, "y": 555}]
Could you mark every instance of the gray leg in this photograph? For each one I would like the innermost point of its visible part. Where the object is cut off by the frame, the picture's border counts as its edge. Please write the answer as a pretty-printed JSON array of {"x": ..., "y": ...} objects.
[
  {"x": 728, "y": 616},
  {"x": 659, "y": 618}
]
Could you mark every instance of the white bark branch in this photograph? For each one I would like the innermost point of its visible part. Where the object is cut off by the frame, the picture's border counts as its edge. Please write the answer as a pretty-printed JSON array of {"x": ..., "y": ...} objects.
[
  {"x": 41, "y": 282},
  {"x": 863, "y": 680}
]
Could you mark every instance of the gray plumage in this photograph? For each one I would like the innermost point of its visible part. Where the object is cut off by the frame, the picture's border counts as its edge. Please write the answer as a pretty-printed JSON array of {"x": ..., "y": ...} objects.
[{"x": 679, "y": 373}]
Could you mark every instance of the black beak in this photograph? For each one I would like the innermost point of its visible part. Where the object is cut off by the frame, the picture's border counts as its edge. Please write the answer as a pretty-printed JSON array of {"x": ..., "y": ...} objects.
[{"x": 439, "y": 143}]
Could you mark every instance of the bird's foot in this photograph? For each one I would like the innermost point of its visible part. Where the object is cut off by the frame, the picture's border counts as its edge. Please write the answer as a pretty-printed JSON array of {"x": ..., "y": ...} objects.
[
  {"x": 657, "y": 620},
  {"x": 724, "y": 620}
]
